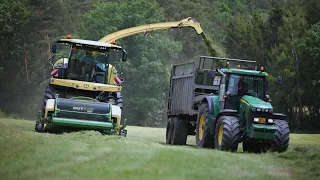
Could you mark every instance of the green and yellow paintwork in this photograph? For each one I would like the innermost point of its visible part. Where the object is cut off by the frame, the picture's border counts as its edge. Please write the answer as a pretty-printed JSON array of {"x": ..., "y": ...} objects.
[
  {"x": 262, "y": 131},
  {"x": 84, "y": 85}
]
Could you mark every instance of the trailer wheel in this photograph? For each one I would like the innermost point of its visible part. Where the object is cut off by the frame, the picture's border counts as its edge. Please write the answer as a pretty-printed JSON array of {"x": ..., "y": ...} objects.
[
  {"x": 180, "y": 131},
  {"x": 227, "y": 133},
  {"x": 203, "y": 136},
  {"x": 281, "y": 141},
  {"x": 169, "y": 130}
]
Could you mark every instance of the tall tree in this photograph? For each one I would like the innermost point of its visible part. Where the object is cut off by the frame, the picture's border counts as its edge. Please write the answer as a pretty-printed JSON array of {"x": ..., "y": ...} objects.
[
  {"x": 13, "y": 19},
  {"x": 287, "y": 55}
]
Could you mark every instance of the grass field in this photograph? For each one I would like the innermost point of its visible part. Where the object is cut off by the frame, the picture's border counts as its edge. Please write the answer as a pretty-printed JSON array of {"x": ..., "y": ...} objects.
[{"x": 25, "y": 154}]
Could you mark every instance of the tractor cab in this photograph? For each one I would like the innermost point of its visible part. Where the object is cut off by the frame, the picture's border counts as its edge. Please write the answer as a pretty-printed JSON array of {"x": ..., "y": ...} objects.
[
  {"x": 85, "y": 60},
  {"x": 241, "y": 83},
  {"x": 235, "y": 79}
]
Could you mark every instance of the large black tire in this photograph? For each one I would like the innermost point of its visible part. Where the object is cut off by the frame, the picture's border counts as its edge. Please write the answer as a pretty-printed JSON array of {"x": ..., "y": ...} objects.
[
  {"x": 180, "y": 131},
  {"x": 204, "y": 138},
  {"x": 48, "y": 94},
  {"x": 229, "y": 137},
  {"x": 169, "y": 130},
  {"x": 281, "y": 142}
]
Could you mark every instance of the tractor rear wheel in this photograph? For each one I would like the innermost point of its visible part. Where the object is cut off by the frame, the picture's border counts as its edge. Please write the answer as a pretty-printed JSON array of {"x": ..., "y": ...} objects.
[
  {"x": 227, "y": 133},
  {"x": 180, "y": 131},
  {"x": 203, "y": 136},
  {"x": 169, "y": 130},
  {"x": 281, "y": 141}
]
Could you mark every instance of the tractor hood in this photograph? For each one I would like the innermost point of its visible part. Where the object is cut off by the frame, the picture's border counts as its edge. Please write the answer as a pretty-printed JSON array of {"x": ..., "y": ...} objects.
[{"x": 254, "y": 102}]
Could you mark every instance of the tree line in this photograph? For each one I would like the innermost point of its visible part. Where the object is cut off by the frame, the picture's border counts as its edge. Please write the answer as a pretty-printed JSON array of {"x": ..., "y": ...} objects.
[{"x": 282, "y": 35}]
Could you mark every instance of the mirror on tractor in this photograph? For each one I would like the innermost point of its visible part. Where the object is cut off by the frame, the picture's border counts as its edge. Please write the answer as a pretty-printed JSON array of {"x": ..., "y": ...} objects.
[
  {"x": 267, "y": 98},
  {"x": 279, "y": 80},
  {"x": 54, "y": 48},
  {"x": 227, "y": 95},
  {"x": 124, "y": 56}
]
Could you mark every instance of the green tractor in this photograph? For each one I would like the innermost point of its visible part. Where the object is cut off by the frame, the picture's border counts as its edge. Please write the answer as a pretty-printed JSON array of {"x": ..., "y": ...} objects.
[
  {"x": 224, "y": 106},
  {"x": 84, "y": 91}
]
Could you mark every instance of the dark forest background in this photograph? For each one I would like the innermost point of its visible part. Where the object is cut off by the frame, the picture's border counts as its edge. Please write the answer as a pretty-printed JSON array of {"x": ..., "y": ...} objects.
[{"x": 282, "y": 35}]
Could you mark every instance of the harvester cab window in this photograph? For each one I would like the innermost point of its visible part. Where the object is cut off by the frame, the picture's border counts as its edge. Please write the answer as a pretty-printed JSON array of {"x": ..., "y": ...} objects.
[
  {"x": 94, "y": 65},
  {"x": 61, "y": 57}
]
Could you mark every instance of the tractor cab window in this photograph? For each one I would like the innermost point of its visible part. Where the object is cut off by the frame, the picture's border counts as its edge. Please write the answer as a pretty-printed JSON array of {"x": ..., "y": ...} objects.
[{"x": 240, "y": 85}]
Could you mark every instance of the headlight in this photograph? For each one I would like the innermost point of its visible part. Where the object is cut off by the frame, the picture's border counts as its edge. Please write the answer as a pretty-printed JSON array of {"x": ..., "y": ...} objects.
[
  {"x": 258, "y": 109},
  {"x": 260, "y": 120},
  {"x": 253, "y": 109},
  {"x": 270, "y": 120}
]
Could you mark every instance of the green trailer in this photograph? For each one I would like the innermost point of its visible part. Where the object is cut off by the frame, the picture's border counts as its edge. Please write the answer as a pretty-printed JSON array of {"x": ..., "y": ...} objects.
[
  {"x": 224, "y": 106},
  {"x": 84, "y": 91}
]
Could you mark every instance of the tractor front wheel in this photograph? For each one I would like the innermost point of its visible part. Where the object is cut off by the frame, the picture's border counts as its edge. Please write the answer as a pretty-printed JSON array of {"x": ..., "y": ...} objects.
[
  {"x": 227, "y": 133},
  {"x": 281, "y": 141},
  {"x": 180, "y": 131}
]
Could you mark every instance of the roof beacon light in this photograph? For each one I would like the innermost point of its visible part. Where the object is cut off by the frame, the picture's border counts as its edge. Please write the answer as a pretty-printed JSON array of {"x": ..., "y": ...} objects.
[
  {"x": 69, "y": 36},
  {"x": 261, "y": 68},
  {"x": 238, "y": 67}
]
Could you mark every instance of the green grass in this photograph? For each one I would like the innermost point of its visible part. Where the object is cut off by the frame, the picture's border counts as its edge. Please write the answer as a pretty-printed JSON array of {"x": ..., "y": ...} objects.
[{"x": 25, "y": 154}]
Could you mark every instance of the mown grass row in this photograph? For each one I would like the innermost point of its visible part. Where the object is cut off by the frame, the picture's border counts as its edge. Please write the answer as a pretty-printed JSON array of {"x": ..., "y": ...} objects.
[{"x": 25, "y": 154}]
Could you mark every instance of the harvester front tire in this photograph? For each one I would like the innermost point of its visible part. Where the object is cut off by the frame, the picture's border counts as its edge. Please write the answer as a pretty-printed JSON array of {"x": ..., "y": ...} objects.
[
  {"x": 180, "y": 132},
  {"x": 169, "y": 130},
  {"x": 48, "y": 94},
  {"x": 227, "y": 133},
  {"x": 281, "y": 141},
  {"x": 204, "y": 138}
]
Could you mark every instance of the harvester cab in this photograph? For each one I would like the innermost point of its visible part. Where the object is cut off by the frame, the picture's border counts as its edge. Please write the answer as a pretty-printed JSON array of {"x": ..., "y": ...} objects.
[
  {"x": 84, "y": 91},
  {"x": 225, "y": 101},
  {"x": 85, "y": 60}
]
